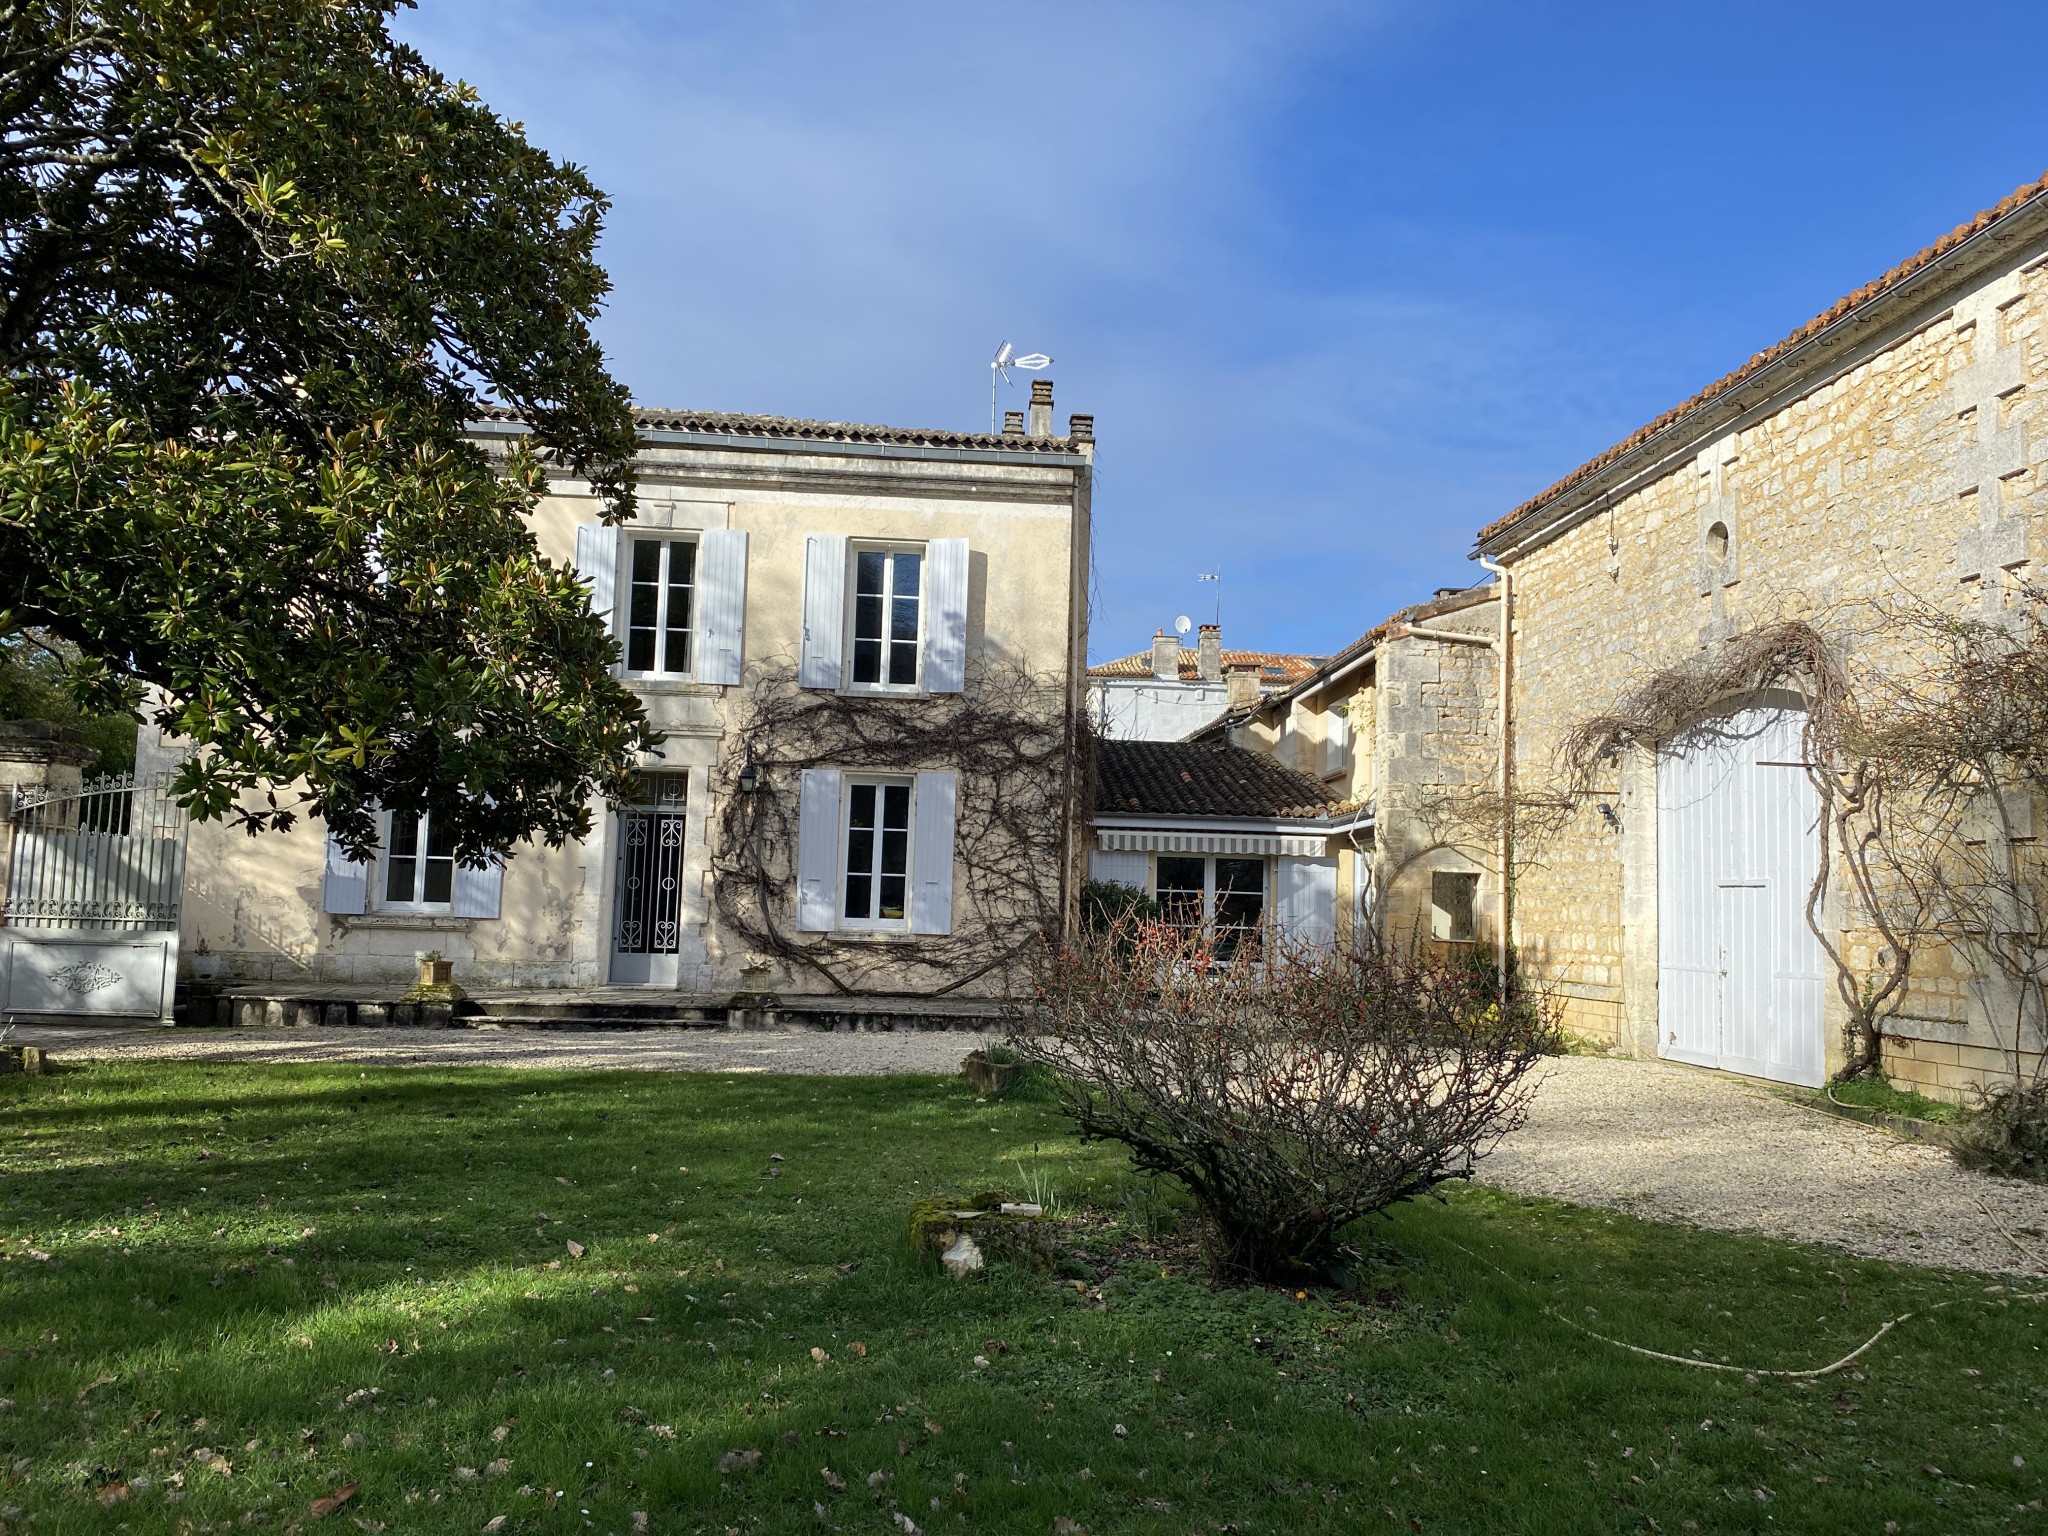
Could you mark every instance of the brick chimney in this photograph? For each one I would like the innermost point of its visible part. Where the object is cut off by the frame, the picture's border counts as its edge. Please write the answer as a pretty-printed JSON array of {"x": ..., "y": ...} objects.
[
  {"x": 1013, "y": 423},
  {"x": 1041, "y": 407},
  {"x": 1243, "y": 678},
  {"x": 1081, "y": 428},
  {"x": 1209, "y": 653},
  {"x": 1166, "y": 657}
]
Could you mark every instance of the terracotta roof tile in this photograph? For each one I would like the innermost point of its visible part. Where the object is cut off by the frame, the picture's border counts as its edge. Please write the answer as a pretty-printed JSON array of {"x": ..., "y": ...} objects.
[
  {"x": 1837, "y": 311},
  {"x": 1174, "y": 778},
  {"x": 734, "y": 424},
  {"x": 1276, "y": 669}
]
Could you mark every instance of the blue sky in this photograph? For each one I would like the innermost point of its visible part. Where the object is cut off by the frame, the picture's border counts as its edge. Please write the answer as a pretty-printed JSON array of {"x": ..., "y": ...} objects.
[{"x": 1340, "y": 283}]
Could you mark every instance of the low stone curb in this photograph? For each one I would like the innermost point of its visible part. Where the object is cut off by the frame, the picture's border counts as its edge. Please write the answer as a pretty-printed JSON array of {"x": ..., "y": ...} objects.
[{"x": 1931, "y": 1132}]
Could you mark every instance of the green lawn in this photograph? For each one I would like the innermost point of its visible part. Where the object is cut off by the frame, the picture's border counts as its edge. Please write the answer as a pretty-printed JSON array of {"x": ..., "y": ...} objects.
[{"x": 229, "y": 1292}]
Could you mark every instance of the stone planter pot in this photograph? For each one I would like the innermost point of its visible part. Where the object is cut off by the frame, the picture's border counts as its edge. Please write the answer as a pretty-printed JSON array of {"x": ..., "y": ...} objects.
[
  {"x": 206, "y": 968},
  {"x": 22, "y": 1058},
  {"x": 988, "y": 1076},
  {"x": 436, "y": 973}
]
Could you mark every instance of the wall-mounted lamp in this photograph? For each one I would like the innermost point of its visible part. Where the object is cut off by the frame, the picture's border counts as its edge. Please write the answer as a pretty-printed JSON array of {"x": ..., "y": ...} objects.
[
  {"x": 1607, "y": 814},
  {"x": 750, "y": 778}
]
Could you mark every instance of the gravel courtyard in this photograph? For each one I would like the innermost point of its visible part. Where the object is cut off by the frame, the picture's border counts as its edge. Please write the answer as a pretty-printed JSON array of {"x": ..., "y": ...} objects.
[{"x": 1664, "y": 1142}]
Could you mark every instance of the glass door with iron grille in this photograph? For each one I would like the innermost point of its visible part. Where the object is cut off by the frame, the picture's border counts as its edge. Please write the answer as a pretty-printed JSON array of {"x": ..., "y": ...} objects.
[{"x": 647, "y": 900}]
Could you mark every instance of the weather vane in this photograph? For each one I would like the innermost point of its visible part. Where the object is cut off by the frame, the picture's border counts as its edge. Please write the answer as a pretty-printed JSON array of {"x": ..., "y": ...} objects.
[{"x": 1005, "y": 360}]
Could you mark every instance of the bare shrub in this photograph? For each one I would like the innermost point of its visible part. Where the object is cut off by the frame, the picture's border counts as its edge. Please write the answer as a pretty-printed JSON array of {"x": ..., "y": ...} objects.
[
  {"x": 1291, "y": 1091},
  {"x": 2007, "y": 1133}
]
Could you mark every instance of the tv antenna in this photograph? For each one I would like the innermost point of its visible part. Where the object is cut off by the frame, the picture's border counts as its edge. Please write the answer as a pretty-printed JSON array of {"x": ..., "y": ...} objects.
[
  {"x": 1217, "y": 577},
  {"x": 1005, "y": 360}
]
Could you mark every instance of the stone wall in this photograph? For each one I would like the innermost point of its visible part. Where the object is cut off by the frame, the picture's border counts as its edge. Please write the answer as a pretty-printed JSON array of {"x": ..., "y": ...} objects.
[{"x": 1909, "y": 473}]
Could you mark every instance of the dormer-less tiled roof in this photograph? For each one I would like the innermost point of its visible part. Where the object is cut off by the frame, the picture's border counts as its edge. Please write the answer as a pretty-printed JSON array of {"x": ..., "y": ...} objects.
[
  {"x": 1276, "y": 669},
  {"x": 1840, "y": 310},
  {"x": 1176, "y": 778},
  {"x": 796, "y": 429}
]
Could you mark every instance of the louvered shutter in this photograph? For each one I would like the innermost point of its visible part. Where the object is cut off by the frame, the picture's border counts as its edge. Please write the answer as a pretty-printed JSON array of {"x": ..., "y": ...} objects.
[
  {"x": 824, "y": 610},
  {"x": 597, "y": 562},
  {"x": 1307, "y": 891},
  {"x": 721, "y": 604},
  {"x": 945, "y": 626},
  {"x": 817, "y": 851},
  {"x": 931, "y": 854},
  {"x": 345, "y": 883},
  {"x": 478, "y": 892}
]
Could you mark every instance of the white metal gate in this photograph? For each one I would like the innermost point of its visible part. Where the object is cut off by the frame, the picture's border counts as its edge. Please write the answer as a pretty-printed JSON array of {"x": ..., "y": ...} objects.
[
  {"x": 93, "y": 888},
  {"x": 1740, "y": 982}
]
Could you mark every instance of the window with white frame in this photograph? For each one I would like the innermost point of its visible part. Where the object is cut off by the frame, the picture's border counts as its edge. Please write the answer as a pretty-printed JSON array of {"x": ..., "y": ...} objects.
[
  {"x": 887, "y": 617},
  {"x": 661, "y": 577},
  {"x": 419, "y": 864},
  {"x": 1225, "y": 897},
  {"x": 1337, "y": 739},
  {"x": 875, "y": 890}
]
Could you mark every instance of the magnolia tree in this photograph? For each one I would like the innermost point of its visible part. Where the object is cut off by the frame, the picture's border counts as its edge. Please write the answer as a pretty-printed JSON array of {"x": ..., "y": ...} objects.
[
  {"x": 1291, "y": 1090},
  {"x": 259, "y": 266}
]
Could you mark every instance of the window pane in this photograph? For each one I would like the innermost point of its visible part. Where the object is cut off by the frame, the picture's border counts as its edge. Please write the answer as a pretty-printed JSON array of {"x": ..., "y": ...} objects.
[
  {"x": 890, "y": 907},
  {"x": 896, "y": 805},
  {"x": 643, "y": 605},
  {"x": 867, "y": 661},
  {"x": 401, "y": 864},
  {"x": 867, "y": 618},
  {"x": 682, "y": 571},
  {"x": 1179, "y": 891},
  {"x": 908, "y": 568},
  {"x": 858, "y": 888},
  {"x": 868, "y": 566},
  {"x": 439, "y": 884},
  {"x": 903, "y": 619},
  {"x": 861, "y": 805},
  {"x": 903, "y": 663}
]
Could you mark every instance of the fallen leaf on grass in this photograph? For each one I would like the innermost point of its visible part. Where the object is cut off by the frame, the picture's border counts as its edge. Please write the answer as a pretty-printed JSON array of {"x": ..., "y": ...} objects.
[
  {"x": 639, "y": 1519},
  {"x": 575, "y": 1248},
  {"x": 501, "y": 1434},
  {"x": 114, "y": 1493},
  {"x": 1062, "y": 1526},
  {"x": 498, "y": 1468},
  {"x": 495, "y": 1524},
  {"x": 322, "y": 1508},
  {"x": 877, "y": 1478},
  {"x": 904, "y": 1523},
  {"x": 832, "y": 1479},
  {"x": 818, "y": 1355},
  {"x": 732, "y": 1460},
  {"x": 931, "y": 1428}
]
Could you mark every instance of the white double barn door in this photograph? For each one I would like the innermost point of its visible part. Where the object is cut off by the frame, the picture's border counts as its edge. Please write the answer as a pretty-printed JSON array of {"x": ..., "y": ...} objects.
[{"x": 1740, "y": 982}]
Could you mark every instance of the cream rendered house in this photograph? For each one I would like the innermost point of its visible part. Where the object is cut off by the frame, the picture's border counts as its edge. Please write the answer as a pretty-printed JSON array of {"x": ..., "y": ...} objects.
[{"x": 768, "y": 558}]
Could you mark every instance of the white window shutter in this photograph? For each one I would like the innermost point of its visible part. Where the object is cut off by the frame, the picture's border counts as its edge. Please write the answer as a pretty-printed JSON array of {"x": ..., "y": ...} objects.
[
  {"x": 945, "y": 621},
  {"x": 931, "y": 854},
  {"x": 1120, "y": 867},
  {"x": 597, "y": 562},
  {"x": 345, "y": 883},
  {"x": 1307, "y": 890},
  {"x": 817, "y": 851},
  {"x": 478, "y": 891},
  {"x": 721, "y": 604},
  {"x": 824, "y": 610}
]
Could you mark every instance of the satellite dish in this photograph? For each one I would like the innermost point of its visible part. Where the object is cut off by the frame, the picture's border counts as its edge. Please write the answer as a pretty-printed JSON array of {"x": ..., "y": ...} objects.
[{"x": 1183, "y": 624}]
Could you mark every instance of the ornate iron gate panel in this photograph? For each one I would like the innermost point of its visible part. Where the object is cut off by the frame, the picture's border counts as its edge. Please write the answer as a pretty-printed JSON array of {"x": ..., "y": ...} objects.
[
  {"x": 647, "y": 921},
  {"x": 93, "y": 891}
]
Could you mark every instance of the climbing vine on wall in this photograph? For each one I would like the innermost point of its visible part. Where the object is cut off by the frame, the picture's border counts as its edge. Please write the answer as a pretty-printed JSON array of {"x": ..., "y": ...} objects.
[{"x": 1022, "y": 760}]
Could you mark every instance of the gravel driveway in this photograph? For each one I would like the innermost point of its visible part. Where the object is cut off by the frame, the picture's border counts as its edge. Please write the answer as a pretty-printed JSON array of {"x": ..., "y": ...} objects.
[
  {"x": 1664, "y": 1142},
  {"x": 1686, "y": 1144}
]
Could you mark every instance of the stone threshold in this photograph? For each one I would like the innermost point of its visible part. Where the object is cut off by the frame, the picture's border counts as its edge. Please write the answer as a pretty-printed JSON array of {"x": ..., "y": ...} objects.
[{"x": 258, "y": 1005}]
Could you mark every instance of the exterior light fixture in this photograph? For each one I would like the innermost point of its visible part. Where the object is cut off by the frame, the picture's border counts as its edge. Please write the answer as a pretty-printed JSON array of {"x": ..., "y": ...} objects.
[{"x": 750, "y": 778}]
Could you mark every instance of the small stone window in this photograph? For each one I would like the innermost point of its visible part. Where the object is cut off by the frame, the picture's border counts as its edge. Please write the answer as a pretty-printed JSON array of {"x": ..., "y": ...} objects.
[
  {"x": 1717, "y": 544},
  {"x": 1452, "y": 898}
]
